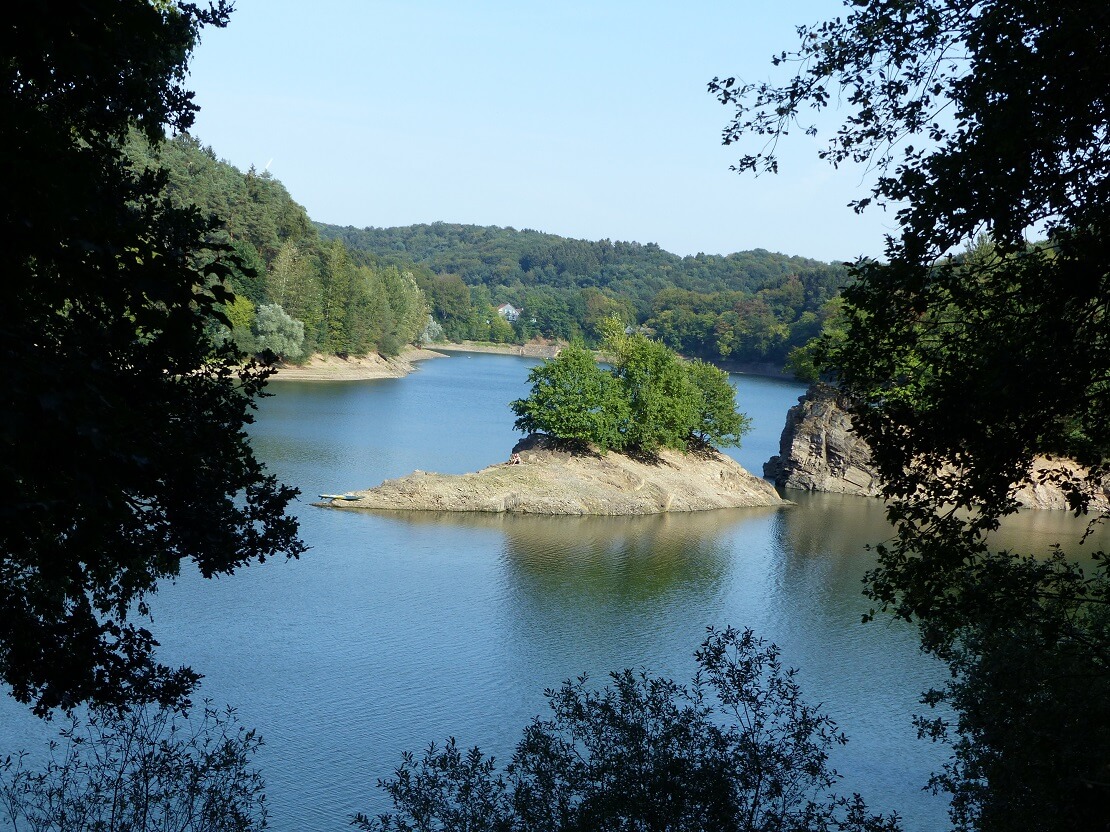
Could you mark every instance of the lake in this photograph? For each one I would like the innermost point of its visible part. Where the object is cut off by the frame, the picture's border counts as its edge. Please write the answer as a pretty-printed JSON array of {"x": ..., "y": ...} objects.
[{"x": 396, "y": 630}]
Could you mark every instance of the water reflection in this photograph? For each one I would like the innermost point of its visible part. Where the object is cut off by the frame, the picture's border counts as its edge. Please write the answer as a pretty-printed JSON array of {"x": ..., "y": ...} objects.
[
  {"x": 838, "y": 523},
  {"x": 596, "y": 561}
]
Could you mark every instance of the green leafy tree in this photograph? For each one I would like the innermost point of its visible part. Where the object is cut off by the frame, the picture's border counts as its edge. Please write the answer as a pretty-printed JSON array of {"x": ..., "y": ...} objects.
[
  {"x": 650, "y": 399},
  {"x": 574, "y": 399},
  {"x": 277, "y": 332},
  {"x": 500, "y": 330},
  {"x": 718, "y": 421},
  {"x": 122, "y": 445},
  {"x": 256, "y": 210},
  {"x": 240, "y": 314},
  {"x": 293, "y": 283},
  {"x": 598, "y": 307},
  {"x": 408, "y": 307},
  {"x": 337, "y": 283},
  {"x": 739, "y": 749},
  {"x": 988, "y": 116},
  {"x": 248, "y": 274},
  {"x": 804, "y": 361},
  {"x": 663, "y": 405},
  {"x": 1026, "y": 707},
  {"x": 449, "y": 299},
  {"x": 432, "y": 333}
]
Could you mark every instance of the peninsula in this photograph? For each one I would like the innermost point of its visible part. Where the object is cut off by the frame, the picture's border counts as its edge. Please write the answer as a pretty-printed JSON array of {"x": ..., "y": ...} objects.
[
  {"x": 637, "y": 438},
  {"x": 551, "y": 480}
]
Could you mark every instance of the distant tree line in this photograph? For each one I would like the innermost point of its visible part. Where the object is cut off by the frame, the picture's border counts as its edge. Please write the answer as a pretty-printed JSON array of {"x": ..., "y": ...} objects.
[
  {"x": 749, "y": 306},
  {"x": 305, "y": 287},
  {"x": 296, "y": 294}
]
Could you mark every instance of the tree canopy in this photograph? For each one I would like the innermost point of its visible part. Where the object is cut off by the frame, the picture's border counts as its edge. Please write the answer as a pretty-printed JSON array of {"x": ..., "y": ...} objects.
[
  {"x": 977, "y": 117},
  {"x": 145, "y": 769},
  {"x": 649, "y": 399},
  {"x": 298, "y": 294},
  {"x": 122, "y": 443}
]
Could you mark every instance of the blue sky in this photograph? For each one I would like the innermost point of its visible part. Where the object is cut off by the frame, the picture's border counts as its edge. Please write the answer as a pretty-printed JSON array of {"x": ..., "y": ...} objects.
[{"x": 588, "y": 120}]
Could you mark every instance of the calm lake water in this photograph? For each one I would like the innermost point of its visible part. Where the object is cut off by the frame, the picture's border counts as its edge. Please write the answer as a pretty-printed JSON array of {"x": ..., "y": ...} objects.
[{"x": 396, "y": 630}]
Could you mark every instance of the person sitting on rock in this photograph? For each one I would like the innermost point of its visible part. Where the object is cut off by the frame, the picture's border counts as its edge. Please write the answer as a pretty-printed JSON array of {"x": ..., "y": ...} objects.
[{"x": 514, "y": 459}]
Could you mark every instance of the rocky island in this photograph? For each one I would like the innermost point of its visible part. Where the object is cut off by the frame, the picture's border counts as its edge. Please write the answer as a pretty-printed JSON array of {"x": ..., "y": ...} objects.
[{"x": 552, "y": 480}]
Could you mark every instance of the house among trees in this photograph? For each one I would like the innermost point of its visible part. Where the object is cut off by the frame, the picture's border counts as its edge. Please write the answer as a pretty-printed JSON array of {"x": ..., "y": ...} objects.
[{"x": 509, "y": 312}]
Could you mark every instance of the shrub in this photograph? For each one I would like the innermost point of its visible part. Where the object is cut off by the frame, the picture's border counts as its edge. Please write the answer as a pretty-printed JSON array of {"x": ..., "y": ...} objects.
[
  {"x": 141, "y": 770},
  {"x": 739, "y": 749}
]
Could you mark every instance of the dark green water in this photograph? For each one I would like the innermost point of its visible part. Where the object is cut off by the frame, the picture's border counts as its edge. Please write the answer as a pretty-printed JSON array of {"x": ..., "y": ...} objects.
[{"x": 395, "y": 630}]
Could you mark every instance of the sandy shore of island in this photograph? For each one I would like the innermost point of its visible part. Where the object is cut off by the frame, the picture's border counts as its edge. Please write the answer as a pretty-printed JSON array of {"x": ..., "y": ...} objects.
[{"x": 550, "y": 479}]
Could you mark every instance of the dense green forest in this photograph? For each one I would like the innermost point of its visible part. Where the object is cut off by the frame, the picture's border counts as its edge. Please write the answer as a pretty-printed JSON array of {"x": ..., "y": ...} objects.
[
  {"x": 308, "y": 287},
  {"x": 298, "y": 294},
  {"x": 749, "y": 306}
]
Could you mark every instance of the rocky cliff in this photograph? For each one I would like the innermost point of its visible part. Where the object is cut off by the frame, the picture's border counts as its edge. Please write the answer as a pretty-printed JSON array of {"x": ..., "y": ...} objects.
[
  {"x": 550, "y": 480},
  {"x": 819, "y": 451}
]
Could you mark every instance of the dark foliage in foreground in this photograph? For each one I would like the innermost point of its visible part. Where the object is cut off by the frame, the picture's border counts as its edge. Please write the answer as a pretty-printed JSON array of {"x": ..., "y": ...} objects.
[
  {"x": 147, "y": 769},
  {"x": 739, "y": 749},
  {"x": 122, "y": 443},
  {"x": 987, "y": 123}
]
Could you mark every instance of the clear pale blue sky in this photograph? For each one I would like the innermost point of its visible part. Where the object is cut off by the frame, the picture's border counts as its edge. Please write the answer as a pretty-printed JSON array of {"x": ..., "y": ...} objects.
[{"x": 584, "y": 119}]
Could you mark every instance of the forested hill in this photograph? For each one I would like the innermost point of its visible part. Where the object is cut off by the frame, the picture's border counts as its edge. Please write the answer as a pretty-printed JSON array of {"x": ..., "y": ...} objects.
[
  {"x": 314, "y": 287},
  {"x": 300, "y": 294},
  {"x": 506, "y": 257},
  {"x": 749, "y": 306},
  {"x": 510, "y": 261}
]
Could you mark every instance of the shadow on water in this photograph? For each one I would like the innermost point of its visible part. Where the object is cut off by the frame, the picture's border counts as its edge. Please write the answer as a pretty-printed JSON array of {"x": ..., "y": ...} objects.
[{"x": 837, "y": 523}]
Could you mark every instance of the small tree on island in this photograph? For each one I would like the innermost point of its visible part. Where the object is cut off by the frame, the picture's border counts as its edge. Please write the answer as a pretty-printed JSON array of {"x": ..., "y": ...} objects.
[{"x": 650, "y": 399}]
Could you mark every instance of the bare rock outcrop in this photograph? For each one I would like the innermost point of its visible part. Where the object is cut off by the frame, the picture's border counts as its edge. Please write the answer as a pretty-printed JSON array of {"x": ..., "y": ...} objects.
[
  {"x": 552, "y": 480},
  {"x": 1042, "y": 490},
  {"x": 819, "y": 451}
]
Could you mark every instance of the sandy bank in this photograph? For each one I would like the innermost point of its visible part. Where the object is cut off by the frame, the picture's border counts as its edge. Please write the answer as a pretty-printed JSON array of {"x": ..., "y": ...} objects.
[
  {"x": 529, "y": 350},
  {"x": 334, "y": 368}
]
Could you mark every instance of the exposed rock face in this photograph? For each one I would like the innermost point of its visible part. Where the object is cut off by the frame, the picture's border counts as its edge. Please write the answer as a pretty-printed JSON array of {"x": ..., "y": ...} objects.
[
  {"x": 819, "y": 451},
  {"x": 553, "y": 481},
  {"x": 1042, "y": 492}
]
